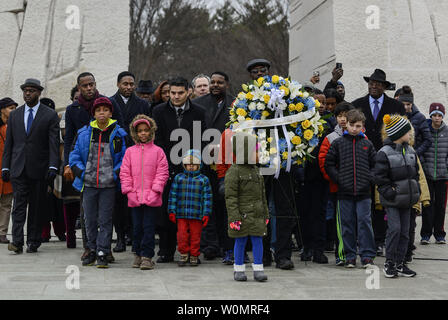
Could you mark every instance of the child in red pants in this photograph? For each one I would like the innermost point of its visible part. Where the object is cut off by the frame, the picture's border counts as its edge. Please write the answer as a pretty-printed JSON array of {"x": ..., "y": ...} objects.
[{"x": 189, "y": 205}]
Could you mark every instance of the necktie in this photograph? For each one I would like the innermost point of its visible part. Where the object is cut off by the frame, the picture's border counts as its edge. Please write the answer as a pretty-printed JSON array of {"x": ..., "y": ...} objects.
[
  {"x": 179, "y": 115},
  {"x": 30, "y": 121},
  {"x": 376, "y": 109}
]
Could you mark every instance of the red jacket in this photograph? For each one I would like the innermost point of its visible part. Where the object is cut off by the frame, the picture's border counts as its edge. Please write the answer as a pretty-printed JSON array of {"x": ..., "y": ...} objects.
[
  {"x": 225, "y": 155},
  {"x": 5, "y": 187},
  {"x": 326, "y": 144}
]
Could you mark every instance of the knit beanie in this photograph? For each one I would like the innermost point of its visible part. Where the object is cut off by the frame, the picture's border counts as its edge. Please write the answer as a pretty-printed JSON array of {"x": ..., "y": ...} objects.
[
  {"x": 436, "y": 108},
  {"x": 406, "y": 98},
  {"x": 396, "y": 126},
  {"x": 101, "y": 101}
]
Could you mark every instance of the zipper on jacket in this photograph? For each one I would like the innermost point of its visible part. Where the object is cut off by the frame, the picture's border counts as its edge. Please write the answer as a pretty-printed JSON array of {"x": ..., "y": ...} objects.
[
  {"x": 435, "y": 158},
  {"x": 143, "y": 149},
  {"x": 98, "y": 165},
  {"x": 354, "y": 165}
]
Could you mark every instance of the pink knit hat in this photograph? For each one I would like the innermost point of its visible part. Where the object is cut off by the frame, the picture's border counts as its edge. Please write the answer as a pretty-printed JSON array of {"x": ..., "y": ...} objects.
[{"x": 139, "y": 121}]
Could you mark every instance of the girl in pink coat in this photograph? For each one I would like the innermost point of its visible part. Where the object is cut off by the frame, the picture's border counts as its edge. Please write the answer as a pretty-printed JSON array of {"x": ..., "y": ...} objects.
[{"x": 143, "y": 175}]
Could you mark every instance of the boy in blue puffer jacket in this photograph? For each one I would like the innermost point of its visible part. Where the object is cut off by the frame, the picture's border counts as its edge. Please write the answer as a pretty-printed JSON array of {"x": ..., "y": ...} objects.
[{"x": 95, "y": 160}]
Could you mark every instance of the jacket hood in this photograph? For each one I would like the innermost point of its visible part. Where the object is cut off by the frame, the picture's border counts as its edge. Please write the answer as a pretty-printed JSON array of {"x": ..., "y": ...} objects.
[
  {"x": 94, "y": 124},
  {"x": 384, "y": 136},
  {"x": 192, "y": 157},
  {"x": 152, "y": 128},
  {"x": 243, "y": 146}
]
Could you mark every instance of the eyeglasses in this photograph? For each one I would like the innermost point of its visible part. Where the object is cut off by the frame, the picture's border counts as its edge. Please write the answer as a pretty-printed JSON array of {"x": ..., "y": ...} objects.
[{"x": 255, "y": 71}]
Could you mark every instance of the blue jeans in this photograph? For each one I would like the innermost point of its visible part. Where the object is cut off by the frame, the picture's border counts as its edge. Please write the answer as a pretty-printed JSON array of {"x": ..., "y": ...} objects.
[
  {"x": 98, "y": 206},
  {"x": 144, "y": 224},
  {"x": 257, "y": 249},
  {"x": 356, "y": 224}
]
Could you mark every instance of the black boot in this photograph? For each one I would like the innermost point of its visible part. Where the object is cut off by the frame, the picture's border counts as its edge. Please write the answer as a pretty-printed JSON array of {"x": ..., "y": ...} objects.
[{"x": 121, "y": 244}]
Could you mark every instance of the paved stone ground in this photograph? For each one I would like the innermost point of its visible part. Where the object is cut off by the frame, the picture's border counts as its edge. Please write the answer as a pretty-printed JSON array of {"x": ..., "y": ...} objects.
[{"x": 43, "y": 276}]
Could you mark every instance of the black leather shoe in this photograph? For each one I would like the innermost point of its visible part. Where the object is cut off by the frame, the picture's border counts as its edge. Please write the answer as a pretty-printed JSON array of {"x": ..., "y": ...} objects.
[
  {"x": 285, "y": 264},
  {"x": 319, "y": 257},
  {"x": 45, "y": 240},
  {"x": 306, "y": 255},
  {"x": 31, "y": 249},
  {"x": 165, "y": 259},
  {"x": 120, "y": 246}
]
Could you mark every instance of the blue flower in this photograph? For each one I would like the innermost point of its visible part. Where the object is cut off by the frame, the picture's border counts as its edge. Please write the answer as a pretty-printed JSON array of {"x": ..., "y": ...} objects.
[
  {"x": 284, "y": 163},
  {"x": 242, "y": 104},
  {"x": 283, "y": 145},
  {"x": 314, "y": 141},
  {"x": 255, "y": 114},
  {"x": 299, "y": 131},
  {"x": 267, "y": 78}
]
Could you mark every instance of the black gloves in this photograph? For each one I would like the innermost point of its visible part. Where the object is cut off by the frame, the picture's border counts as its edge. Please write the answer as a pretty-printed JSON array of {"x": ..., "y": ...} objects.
[
  {"x": 51, "y": 175},
  {"x": 6, "y": 175}
]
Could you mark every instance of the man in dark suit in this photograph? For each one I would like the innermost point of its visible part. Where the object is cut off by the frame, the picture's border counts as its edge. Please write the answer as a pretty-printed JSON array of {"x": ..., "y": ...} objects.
[
  {"x": 30, "y": 160},
  {"x": 130, "y": 106},
  {"x": 178, "y": 113},
  {"x": 217, "y": 105},
  {"x": 374, "y": 106}
]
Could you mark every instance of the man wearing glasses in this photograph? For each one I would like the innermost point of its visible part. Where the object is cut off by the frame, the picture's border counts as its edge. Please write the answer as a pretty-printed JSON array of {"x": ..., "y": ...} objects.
[{"x": 258, "y": 68}]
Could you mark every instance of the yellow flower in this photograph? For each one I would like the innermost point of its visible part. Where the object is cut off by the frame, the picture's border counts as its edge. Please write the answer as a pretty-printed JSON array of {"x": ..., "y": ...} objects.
[
  {"x": 232, "y": 112},
  {"x": 285, "y": 155},
  {"x": 321, "y": 128},
  {"x": 245, "y": 87},
  {"x": 265, "y": 113},
  {"x": 300, "y": 94},
  {"x": 266, "y": 98},
  {"x": 292, "y": 107},
  {"x": 260, "y": 81},
  {"x": 249, "y": 96},
  {"x": 317, "y": 103},
  {"x": 305, "y": 124},
  {"x": 241, "y": 112},
  {"x": 296, "y": 140},
  {"x": 275, "y": 79},
  {"x": 270, "y": 139},
  {"x": 248, "y": 118},
  {"x": 308, "y": 134},
  {"x": 285, "y": 90},
  {"x": 299, "y": 162},
  {"x": 299, "y": 107},
  {"x": 294, "y": 125},
  {"x": 273, "y": 150}
]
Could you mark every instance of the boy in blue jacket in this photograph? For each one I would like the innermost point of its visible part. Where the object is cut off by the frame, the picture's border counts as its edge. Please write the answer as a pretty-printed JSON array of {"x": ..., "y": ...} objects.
[{"x": 95, "y": 161}]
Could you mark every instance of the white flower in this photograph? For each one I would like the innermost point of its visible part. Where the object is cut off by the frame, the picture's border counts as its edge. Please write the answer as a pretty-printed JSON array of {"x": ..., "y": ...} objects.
[
  {"x": 261, "y": 106},
  {"x": 306, "y": 94},
  {"x": 241, "y": 96},
  {"x": 267, "y": 85},
  {"x": 291, "y": 134},
  {"x": 241, "y": 119},
  {"x": 294, "y": 89},
  {"x": 300, "y": 149},
  {"x": 258, "y": 93},
  {"x": 252, "y": 106},
  {"x": 294, "y": 154}
]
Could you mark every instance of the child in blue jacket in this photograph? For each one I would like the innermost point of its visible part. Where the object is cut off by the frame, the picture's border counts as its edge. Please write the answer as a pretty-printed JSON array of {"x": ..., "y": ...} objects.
[{"x": 95, "y": 161}]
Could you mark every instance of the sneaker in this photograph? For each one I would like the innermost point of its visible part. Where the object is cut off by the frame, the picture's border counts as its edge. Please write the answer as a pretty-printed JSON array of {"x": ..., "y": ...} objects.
[
  {"x": 89, "y": 259},
  {"x": 319, "y": 257},
  {"x": 228, "y": 258},
  {"x": 404, "y": 271},
  {"x": 424, "y": 241},
  {"x": 285, "y": 264},
  {"x": 379, "y": 251},
  {"x": 15, "y": 248},
  {"x": 390, "y": 271},
  {"x": 101, "y": 260},
  {"x": 350, "y": 263},
  {"x": 340, "y": 262},
  {"x": 85, "y": 254},
  {"x": 367, "y": 262},
  {"x": 183, "y": 260},
  {"x": 146, "y": 264},
  {"x": 194, "y": 261},
  {"x": 137, "y": 262},
  {"x": 440, "y": 241}
]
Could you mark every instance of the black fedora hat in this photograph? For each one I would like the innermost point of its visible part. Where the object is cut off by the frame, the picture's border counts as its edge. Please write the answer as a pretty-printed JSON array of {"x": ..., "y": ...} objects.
[
  {"x": 378, "y": 75},
  {"x": 32, "y": 83},
  {"x": 145, "y": 86},
  {"x": 6, "y": 102}
]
